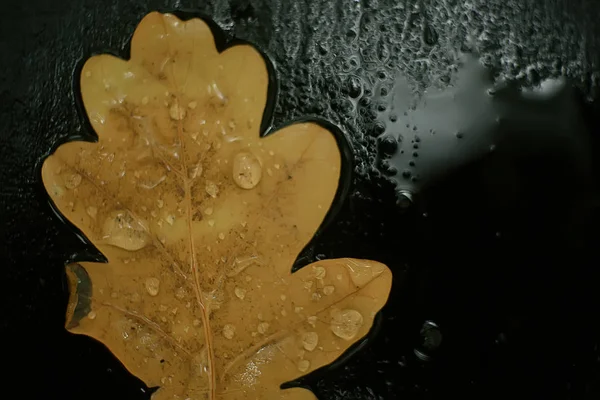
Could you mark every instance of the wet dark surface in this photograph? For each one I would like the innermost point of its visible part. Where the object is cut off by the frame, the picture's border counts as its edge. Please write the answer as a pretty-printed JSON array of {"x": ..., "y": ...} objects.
[{"x": 495, "y": 261}]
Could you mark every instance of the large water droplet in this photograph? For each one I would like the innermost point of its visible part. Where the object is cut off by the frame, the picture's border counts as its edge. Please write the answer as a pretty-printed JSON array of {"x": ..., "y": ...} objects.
[
  {"x": 247, "y": 170},
  {"x": 345, "y": 324}
]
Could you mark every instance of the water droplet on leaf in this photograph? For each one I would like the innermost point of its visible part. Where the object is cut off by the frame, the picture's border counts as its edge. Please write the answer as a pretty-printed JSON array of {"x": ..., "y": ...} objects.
[
  {"x": 240, "y": 293},
  {"x": 72, "y": 181},
  {"x": 121, "y": 230},
  {"x": 262, "y": 327},
  {"x": 247, "y": 170},
  {"x": 320, "y": 272},
  {"x": 229, "y": 331},
  {"x": 152, "y": 286},
  {"x": 310, "y": 340},
  {"x": 150, "y": 175},
  {"x": 303, "y": 365},
  {"x": 328, "y": 290},
  {"x": 212, "y": 189},
  {"x": 92, "y": 211},
  {"x": 177, "y": 113},
  {"x": 345, "y": 324}
]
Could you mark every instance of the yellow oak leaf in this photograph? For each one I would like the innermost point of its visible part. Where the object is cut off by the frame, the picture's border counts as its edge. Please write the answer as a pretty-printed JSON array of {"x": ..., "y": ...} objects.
[{"x": 201, "y": 219}]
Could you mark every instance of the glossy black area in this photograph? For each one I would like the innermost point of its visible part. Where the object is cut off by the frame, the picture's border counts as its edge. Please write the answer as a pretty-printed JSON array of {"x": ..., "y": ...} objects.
[{"x": 498, "y": 251}]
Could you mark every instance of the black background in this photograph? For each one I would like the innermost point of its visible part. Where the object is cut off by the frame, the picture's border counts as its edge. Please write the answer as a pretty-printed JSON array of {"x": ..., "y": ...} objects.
[{"x": 512, "y": 286}]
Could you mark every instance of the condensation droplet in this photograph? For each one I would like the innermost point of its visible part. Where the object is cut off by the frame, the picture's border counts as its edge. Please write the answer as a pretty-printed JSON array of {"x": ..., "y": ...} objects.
[
  {"x": 152, "y": 286},
  {"x": 57, "y": 190},
  {"x": 180, "y": 293},
  {"x": 170, "y": 219},
  {"x": 221, "y": 236},
  {"x": 328, "y": 290},
  {"x": 72, "y": 181},
  {"x": 312, "y": 320},
  {"x": 92, "y": 211},
  {"x": 262, "y": 327},
  {"x": 212, "y": 189},
  {"x": 145, "y": 100},
  {"x": 247, "y": 170},
  {"x": 195, "y": 171},
  {"x": 121, "y": 230},
  {"x": 208, "y": 211},
  {"x": 346, "y": 323},
  {"x": 177, "y": 113},
  {"x": 303, "y": 365},
  {"x": 150, "y": 175},
  {"x": 229, "y": 331},
  {"x": 192, "y": 104},
  {"x": 320, "y": 272},
  {"x": 213, "y": 88},
  {"x": 92, "y": 315},
  {"x": 240, "y": 293},
  {"x": 310, "y": 340}
]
